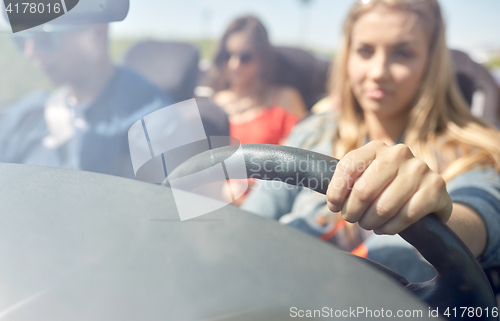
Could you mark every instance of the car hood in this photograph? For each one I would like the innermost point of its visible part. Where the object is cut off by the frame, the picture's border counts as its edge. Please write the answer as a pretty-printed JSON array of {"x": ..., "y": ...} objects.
[{"x": 86, "y": 246}]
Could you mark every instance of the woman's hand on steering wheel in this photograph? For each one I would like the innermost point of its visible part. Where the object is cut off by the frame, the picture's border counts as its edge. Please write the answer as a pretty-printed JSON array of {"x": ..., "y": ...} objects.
[{"x": 386, "y": 189}]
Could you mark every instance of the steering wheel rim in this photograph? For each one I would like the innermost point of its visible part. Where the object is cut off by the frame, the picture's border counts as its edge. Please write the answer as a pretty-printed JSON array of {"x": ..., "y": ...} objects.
[{"x": 460, "y": 282}]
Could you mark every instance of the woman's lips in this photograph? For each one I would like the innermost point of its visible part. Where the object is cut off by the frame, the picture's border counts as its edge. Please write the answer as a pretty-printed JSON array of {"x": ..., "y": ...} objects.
[{"x": 376, "y": 94}]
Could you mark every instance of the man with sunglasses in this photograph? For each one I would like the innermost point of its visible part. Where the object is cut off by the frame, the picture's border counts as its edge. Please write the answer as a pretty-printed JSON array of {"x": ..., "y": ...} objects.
[{"x": 84, "y": 123}]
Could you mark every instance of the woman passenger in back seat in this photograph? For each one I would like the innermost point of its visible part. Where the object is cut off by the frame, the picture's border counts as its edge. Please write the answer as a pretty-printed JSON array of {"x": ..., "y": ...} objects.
[
  {"x": 407, "y": 141},
  {"x": 242, "y": 76}
]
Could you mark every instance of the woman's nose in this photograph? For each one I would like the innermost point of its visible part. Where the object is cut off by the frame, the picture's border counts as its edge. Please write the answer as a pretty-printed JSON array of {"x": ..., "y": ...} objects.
[
  {"x": 234, "y": 63},
  {"x": 379, "y": 67}
]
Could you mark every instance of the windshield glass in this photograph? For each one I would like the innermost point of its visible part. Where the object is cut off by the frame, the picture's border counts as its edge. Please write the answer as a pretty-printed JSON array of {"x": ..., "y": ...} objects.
[{"x": 136, "y": 95}]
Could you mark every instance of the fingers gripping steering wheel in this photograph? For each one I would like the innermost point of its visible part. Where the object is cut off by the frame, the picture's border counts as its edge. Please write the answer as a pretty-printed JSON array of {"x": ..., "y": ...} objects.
[{"x": 460, "y": 282}]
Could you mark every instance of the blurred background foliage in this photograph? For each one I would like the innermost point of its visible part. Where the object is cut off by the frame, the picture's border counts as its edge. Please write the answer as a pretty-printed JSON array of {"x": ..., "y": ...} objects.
[
  {"x": 18, "y": 76},
  {"x": 494, "y": 63}
]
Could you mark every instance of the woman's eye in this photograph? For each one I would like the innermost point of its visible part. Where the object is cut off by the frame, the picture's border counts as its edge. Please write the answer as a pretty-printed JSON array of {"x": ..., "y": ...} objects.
[
  {"x": 402, "y": 53},
  {"x": 365, "y": 52}
]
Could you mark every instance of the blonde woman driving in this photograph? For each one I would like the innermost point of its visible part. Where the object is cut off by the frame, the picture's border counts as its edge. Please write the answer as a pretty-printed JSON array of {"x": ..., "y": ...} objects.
[{"x": 407, "y": 141}]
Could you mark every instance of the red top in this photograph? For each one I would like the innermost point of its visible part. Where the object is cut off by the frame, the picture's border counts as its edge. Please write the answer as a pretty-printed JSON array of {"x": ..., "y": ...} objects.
[{"x": 270, "y": 127}]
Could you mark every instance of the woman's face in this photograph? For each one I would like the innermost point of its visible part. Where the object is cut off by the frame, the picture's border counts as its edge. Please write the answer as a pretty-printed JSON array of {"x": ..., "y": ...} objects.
[
  {"x": 242, "y": 67},
  {"x": 387, "y": 60}
]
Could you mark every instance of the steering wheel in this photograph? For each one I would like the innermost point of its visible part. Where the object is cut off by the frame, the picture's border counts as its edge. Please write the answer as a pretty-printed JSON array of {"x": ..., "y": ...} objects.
[{"x": 460, "y": 282}]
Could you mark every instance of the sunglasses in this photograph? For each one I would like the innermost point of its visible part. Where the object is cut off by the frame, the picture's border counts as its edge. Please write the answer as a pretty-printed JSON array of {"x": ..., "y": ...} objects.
[
  {"x": 45, "y": 41},
  {"x": 244, "y": 57}
]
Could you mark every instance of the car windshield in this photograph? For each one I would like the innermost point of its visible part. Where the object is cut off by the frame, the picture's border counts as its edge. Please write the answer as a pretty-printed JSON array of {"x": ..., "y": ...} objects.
[{"x": 201, "y": 106}]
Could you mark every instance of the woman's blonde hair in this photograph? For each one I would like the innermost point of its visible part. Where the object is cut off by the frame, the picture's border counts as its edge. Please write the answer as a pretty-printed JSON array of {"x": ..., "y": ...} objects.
[{"x": 441, "y": 130}]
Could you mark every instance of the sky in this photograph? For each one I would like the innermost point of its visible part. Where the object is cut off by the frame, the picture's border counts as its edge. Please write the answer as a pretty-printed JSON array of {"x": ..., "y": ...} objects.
[{"x": 472, "y": 25}]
